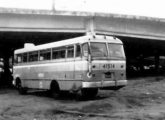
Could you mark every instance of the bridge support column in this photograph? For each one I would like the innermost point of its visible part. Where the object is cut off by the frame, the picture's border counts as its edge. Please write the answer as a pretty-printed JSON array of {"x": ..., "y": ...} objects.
[
  {"x": 7, "y": 79},
  {"x": 157, "y": 61},
  {"x": 90, "y": 27}
]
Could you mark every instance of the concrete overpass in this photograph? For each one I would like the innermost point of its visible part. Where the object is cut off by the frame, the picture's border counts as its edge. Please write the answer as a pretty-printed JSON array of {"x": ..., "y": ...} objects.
[{"x": 19, "y": 20}]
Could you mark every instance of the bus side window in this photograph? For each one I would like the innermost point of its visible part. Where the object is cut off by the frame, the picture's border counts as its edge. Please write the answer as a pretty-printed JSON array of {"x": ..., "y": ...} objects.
[
  {"x": 78, "y": 51},
  {"x": 62, "y": 53},
  {"x": 24, "y": 57},
  {"x": 33, "y": 56},
  {"x": 85, "y": 49},
  {"x": 18, "y": 58},
  {"x": 54, "y": 54},
  {"x": 45, "y": 54},
  {"x": 70, "y": 52},
  {"x": 58, "y": 53}
]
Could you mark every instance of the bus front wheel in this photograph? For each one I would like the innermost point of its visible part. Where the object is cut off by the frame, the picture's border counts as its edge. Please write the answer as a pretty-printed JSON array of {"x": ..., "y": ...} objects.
[{"x": 89, "y": 92}]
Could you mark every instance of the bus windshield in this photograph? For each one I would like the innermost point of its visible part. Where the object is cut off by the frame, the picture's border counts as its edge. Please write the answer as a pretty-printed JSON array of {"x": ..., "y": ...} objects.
[
  {"x": 97, "y": 49},
  {"x": 116, "y": 51}
]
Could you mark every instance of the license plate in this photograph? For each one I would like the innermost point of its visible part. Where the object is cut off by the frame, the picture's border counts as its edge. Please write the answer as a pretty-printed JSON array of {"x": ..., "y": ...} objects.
[
  {"x": 108, "y": 75},
  {"x": 108, "y": 66}
]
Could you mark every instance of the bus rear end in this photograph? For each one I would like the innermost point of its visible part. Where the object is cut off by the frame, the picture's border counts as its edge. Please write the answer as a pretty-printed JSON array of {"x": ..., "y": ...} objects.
[{"x": 106, "y": 64}]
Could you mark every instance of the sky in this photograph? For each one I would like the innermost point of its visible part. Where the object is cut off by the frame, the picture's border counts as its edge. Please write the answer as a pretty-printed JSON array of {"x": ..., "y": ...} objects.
[{"x": 149, "y": 8}]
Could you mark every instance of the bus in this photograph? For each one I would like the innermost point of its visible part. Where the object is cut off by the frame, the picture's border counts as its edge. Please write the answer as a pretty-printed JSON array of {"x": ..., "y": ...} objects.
[{"x": 83, "y": 64}]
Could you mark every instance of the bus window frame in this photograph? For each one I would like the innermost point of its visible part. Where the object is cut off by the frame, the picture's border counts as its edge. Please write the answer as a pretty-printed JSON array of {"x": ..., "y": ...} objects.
[
  {"x": 86, "y": 43},
  {"x": 80, "y": 54},
  {"x": 42, "y": 51},
  {"x": 73, "y": 52},
  {"x": 107, "y": 53},
  {"x": 16, "y": 58},
  {"x": 29, "y": 53},
  {"x": 109, "y": 57},
  {"x": 58, "y": 49}
]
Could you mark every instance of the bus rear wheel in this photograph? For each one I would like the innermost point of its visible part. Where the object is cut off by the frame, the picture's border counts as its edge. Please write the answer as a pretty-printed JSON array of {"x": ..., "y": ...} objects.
[
  {"x": 54, "y": 89},
  {"x": 89, "y": 92},
  {"x": 20, "y": 89}
]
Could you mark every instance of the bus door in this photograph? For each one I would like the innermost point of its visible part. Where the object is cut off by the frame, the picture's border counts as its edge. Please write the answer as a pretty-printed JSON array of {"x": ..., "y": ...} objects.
[
  {"x": 70, "y": 66},
  {"x": 78, "y": 63}
]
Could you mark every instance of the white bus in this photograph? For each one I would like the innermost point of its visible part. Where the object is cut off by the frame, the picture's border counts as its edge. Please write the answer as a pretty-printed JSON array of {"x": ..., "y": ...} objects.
[{"x": 84, "y": 64}]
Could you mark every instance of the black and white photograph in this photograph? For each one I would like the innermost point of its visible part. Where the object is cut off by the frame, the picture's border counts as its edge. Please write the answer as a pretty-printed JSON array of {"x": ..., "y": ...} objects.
[{"x": 82, "y": 60}]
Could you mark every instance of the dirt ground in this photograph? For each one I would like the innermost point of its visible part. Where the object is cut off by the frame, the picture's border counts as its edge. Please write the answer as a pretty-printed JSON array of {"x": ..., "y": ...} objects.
[{"x": 141, "y": 99}]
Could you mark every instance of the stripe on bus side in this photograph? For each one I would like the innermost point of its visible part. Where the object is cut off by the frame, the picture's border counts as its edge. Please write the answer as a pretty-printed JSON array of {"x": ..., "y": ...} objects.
[
  {"x": 51, "y": 80},
  {"x": 45, "y": 84},
  {"x": 79, "y": 65}
]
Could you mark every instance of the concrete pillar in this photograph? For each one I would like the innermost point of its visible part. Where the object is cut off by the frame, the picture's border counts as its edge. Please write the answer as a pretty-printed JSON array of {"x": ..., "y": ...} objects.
[
  {"x": 7, "y": 78},
  {"x": 141, "y": 63},
  {"x": 90, "y": 26},
  {"x": 157, "y": 61}
]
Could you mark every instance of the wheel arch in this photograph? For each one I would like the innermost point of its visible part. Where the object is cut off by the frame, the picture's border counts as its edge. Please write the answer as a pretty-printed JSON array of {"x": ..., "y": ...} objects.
[
  {"x": 54, "y": 83},
  {"x": 17, "y": 81}
]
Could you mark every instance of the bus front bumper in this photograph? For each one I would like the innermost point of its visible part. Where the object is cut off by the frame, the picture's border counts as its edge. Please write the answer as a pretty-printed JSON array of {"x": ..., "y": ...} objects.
[{"x": 104, "y": 84}]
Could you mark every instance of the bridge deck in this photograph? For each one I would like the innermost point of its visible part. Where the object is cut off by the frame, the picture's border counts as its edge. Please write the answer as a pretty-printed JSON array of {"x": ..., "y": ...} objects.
[{"x": 81, "y": 22}]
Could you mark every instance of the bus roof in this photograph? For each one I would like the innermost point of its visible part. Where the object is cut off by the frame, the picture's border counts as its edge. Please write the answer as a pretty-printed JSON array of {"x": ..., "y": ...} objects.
[{"x": 77, "y": 40}]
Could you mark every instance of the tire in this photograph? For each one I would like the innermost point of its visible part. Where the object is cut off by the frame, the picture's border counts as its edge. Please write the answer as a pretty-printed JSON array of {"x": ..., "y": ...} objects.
[
  {"x": 54, "y": 89},
  {"x": 19, "y": 87},
  {"x": 89, "y": 92}
]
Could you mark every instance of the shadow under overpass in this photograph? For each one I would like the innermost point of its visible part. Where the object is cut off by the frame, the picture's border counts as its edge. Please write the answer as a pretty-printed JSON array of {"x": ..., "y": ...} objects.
[
  {"x": 145, "y": 57},
  {"x": 138, "y": 51}
]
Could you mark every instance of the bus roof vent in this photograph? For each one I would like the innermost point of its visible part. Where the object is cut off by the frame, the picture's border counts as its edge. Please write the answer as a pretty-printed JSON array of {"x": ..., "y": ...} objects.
[{"x": 28, "y": 45}]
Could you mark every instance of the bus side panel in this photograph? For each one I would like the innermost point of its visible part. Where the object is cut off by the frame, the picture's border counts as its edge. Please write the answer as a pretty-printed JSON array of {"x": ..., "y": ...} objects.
[
  {"x": 21, "y": 72},
  {"x": 69, "y": 74},
  {"x": 41, "y": 75},
  {"x": 76, "y": 68},
  {"x": 81, "y": 68}
]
